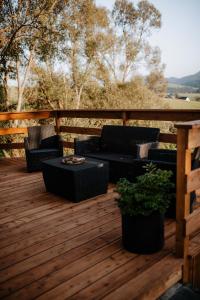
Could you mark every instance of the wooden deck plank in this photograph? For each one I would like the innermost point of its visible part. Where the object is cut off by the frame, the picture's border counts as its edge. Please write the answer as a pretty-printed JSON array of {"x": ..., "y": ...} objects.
[
  {"x": 51, "y": 252},
  {"x": 37, "y": 237},
  {"x": 53, "y": 248},
  {"x": 97, "y": 284},
  {"x": 68, "y": 271},
  {"x": 60, "y": 261},
  {"x": 69, "y": 231},
  {"x": 20, "y": 232},
  {"x": 152, "y": 283},
  {"x": 70, "y": 287},
  {"x": 41, "y": 205}
]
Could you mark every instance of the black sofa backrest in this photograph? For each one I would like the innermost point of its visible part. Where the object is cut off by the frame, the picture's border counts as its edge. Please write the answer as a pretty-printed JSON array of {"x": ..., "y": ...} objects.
[{"x": 123, "y": 139}]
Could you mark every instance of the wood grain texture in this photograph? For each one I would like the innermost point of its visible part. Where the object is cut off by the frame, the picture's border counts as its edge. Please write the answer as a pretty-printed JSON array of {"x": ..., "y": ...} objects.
[
  {"x": 194, "y": 138},
  {"x": 168, "y": 138},
  {"x": 152, "y": 283},
  {"x": 130, "y": 114},
  {"x": 195, "y": 124},
  {"x": 6, "y": 131},
  {"x": 51, "y": 248},
  {"x": 135, "y": 114},
  {"x": 6, "y": 116},
  {"x": 12, "y": 146},
  {"x": 193, "y": 181},
  {"x": 182, "y": 199},
  {"x": 192, "y": 222}
]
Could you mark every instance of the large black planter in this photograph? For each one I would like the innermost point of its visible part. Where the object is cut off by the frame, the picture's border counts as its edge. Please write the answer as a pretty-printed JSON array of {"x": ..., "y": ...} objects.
[{"x": 143, "y": 234}]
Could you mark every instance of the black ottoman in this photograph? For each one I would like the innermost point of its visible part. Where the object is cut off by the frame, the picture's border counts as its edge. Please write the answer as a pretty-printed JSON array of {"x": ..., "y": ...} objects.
[{"x": 76, "y": 182}]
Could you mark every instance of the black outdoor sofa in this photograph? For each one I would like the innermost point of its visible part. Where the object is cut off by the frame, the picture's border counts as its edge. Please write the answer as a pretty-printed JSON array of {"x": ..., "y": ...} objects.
[
  {"x": 120, "y": 146},
  {"x": 128, "y": 150}
]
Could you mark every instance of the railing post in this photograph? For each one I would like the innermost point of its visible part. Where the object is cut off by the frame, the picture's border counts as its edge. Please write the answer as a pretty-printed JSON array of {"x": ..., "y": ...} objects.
[
  {"x": 182, "y": 198},
  {"x": 124, "y": 118},
  {"x": 57, "y": 120}
]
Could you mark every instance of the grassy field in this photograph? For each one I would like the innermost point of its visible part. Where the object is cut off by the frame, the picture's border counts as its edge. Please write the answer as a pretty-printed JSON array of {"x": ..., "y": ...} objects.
[
  {"x": 180, "y": 104},
  {"x": 192, "y": 96}
]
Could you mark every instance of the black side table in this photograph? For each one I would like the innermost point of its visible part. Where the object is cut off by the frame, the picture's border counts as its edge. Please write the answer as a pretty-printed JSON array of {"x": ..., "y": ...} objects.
[{"x": 76, "y": 182}]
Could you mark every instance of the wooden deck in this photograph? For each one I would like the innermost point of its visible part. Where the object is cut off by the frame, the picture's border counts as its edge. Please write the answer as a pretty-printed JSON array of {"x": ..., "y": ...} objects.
[{"x": 51, "y": 248}]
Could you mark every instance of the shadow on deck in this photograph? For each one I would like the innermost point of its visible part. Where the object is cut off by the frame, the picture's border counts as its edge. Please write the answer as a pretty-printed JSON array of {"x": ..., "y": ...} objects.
[{"x": 51, "y": 248}]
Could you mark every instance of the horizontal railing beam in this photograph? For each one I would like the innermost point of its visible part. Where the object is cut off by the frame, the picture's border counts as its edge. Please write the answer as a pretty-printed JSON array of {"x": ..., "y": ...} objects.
[
  {"x": 193, "y": 180},
  {"x": 7, "y": 131},
  {"x": 193, "y": 124},
  {"x": 8, "y": 116},
  {"x": 128, "y": 114},
  {"x": 80, "y": 130},
  {"x": 134, "y": 114},
  {"x": 192, "y": 223},
  {"x": 69, "y": 145},
  {"x": 168, "y": 138},
  {"x": 11, "y": 146}
]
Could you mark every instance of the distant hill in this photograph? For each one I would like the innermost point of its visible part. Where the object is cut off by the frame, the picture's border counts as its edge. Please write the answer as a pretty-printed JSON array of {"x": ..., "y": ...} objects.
[
  {"x": 192, "y": 81},
  {"x": 178, "y": 88}
]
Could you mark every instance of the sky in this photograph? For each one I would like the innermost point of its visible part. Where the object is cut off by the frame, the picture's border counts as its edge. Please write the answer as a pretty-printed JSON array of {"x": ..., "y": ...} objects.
[{"x": 179, "y": 36}]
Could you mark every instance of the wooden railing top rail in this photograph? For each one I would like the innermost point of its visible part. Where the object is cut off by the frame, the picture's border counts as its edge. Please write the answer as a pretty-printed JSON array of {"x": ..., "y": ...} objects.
[
  {"x": 128, "y": 114},
  {"x": 7, "y": 116},
  {"x": 189, "y": 125},
  {"x": 113, "y": 114},
  {"x": 192, "y": 129}
]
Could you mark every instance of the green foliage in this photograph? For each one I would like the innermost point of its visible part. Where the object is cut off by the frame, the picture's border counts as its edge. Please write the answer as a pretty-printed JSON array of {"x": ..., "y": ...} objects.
[
  {"x": 90, "y": 47},
  {"x": 150, "y": 192}
]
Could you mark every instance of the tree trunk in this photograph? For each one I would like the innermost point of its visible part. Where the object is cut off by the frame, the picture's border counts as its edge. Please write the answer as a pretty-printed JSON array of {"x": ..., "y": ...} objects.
[
  {"x": 78, "y": 96},
  {"x": 5, "y": 90},
  {"x": 65, "y": 93},
  {"x": 21, "y": 86}
]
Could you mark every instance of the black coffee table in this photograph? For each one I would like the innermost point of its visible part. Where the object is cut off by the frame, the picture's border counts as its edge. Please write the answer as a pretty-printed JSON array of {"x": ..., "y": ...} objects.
[{"x": 76, "y": 182}]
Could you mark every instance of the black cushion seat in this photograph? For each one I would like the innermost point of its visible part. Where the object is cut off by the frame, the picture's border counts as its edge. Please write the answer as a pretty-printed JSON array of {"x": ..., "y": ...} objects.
[
  {"x": 76, "y": 182},
  {"x": 120, "y": 165},
  {"x": 35, "y": 157}
]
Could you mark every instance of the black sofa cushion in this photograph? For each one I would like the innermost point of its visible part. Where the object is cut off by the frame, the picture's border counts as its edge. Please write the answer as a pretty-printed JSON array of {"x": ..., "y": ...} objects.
[
  {"x": 35, "y": 157},
  {"x": 41, "y": 152},
  {"x": 123, "y": 139},
  {"x": 50, "y": 142}
]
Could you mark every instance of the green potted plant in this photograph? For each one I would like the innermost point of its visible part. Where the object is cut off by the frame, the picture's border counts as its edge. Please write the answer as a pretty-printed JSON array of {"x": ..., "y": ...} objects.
[{"x": 143, "y": 204}]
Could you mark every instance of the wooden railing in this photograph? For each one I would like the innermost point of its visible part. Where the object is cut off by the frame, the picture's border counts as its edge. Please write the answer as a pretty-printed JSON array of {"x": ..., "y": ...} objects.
[
  {"x": 188, "y": 181},
  {"x": 123, "y": 115}
]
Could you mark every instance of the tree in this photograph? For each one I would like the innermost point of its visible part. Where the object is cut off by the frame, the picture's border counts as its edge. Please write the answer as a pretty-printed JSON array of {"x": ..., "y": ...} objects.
[
  {"x": 24, "y": 29},
  {"x": 82, "y": 25},
  {"x": 156, "y": 80},
  {"x": 51, "y": 89},
  {"x": 130, "y": 27}
]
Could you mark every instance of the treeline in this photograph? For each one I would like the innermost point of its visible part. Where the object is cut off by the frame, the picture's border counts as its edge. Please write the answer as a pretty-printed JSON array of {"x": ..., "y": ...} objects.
[{"x": 74, "y": 54}]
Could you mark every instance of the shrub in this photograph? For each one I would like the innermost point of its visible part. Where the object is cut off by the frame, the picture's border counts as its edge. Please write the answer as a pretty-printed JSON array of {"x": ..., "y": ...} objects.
[{"x": 151, "y": 192}]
